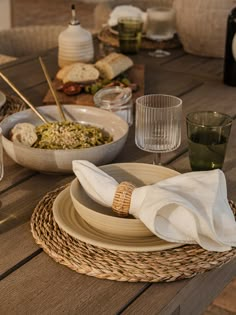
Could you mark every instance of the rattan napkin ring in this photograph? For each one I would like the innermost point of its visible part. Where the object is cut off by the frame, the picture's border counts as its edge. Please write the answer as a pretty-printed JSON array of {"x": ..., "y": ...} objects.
[{"x": 122, "y": 199}]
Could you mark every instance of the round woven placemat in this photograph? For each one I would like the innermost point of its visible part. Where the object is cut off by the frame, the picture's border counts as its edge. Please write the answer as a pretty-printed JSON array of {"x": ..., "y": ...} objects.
[
  {"x": 167, "y": 265},
  {"x": 12, "y": 105},
  {"x": 109, "y": 38}
]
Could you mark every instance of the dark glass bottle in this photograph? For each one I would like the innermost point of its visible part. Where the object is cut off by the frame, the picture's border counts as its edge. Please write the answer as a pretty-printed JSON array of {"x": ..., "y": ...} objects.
[{"x": 230, "y": 51}]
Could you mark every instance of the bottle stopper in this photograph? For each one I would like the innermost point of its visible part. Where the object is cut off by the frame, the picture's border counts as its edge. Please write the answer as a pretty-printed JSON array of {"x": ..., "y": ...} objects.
[{"x": 74, "y": 20}]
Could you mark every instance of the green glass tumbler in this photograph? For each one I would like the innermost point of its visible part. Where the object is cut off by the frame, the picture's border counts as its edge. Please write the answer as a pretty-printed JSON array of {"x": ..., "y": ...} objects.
[
  {"x": 208, "y": 134},
  {"x": 130, "y": 34}
]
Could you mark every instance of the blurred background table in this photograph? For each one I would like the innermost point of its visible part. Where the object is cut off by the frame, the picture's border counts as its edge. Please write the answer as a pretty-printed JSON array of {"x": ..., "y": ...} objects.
[{"x": 31, "y": 281}]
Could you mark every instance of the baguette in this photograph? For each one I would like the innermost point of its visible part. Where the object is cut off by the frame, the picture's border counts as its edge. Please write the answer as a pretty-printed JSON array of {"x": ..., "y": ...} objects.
[
  {"x": 112, "y": 65},
  {"x": 24, "y": 133},
  {"x": 78, "y": 72}
]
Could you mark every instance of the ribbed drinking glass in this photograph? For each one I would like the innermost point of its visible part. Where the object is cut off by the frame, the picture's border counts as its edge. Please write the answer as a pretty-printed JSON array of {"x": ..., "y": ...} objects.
[{"x": 158, "y": 124}]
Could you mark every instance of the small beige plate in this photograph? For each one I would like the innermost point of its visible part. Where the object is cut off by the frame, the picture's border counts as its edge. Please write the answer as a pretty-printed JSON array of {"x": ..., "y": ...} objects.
[{"x": 70, "y": 221}]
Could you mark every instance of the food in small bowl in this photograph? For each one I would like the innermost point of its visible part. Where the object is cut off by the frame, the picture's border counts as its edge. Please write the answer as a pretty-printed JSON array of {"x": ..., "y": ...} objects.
[
  {"x": 54, "y": 160},
  {"x": 105, "y": 219}
]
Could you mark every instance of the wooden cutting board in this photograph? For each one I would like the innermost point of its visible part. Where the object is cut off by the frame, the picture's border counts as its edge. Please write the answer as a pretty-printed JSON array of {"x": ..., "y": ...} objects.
[{"x": 135, "y": 75}]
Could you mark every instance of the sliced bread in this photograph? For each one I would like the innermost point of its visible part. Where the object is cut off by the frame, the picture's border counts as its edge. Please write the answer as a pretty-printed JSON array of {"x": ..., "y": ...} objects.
[
  {"x": 63, "y": 71},
  {"x": 113, "y": 64},
  {"x": 80, "y": 73},
  {"x": 24, "y": 133}
]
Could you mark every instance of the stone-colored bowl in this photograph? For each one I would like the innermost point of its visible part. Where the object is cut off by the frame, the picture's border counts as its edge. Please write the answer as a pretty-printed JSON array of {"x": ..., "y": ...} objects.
[
  {"x": 60, "y": 161},
  {"x": 104, "y": 219}
]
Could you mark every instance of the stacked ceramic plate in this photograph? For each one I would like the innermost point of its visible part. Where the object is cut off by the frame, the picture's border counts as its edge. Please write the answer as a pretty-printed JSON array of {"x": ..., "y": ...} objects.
[{"x": 77, "y": 214}]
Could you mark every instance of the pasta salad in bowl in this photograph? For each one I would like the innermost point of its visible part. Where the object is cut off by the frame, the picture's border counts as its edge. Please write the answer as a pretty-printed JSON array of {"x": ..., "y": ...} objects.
[{"x": 88, "y": 133}]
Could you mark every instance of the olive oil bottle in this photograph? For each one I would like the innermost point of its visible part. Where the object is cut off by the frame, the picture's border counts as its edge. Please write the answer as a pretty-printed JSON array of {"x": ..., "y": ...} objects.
[{"x": 230, "y": 51}]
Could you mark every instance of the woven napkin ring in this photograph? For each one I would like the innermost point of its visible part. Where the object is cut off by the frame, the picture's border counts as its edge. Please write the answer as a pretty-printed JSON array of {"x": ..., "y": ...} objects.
[{"x": 122, "y": 199}]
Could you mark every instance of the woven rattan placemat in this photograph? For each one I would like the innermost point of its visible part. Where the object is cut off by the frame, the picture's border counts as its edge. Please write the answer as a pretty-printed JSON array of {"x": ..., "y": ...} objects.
[
  {"x": 12, "y": 105},
  {"x": 167, "y": 265},
  {"x": 107, "y": 37}
]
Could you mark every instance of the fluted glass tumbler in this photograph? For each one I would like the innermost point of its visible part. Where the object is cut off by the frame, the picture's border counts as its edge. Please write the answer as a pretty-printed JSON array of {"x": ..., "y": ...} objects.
[
  {"x": 158, "y": 124},
  {"x": 1, "y": 156}
]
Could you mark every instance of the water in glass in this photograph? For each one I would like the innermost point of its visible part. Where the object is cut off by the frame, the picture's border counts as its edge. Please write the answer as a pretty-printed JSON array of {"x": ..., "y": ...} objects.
[{"x": 158, "y": 124}]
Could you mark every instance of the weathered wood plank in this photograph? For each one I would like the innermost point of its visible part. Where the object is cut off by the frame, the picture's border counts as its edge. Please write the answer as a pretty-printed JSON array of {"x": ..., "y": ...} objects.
[
  {"x": 27, "y": 73},
  {"x": 167, "y": 82},
  {"x": 13, "y": 251},
  {"x": 205, "y": 68},
  {"x": 214, "y": 310},
  {"x": 13, "y": 173},
  {"x": 226, "y": 299},
  {"x": 17, "y": 205},
  {"x": 37, "y": 93},
  {"x": 45, "y": 287},
  {"x": 192, "y": 298},
  {"x": 211, "y": 96}
]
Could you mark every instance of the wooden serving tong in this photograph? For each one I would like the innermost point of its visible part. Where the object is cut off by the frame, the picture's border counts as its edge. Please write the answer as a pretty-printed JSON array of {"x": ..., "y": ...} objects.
[
  {"x": 52, "y": 89},
  {"x": 23, "y": 97},
  {"x": 34, "y": 109}
]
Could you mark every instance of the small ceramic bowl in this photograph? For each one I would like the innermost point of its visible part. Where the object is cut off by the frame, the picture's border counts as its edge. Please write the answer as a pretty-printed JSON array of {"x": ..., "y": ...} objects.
[
  {"x": 60, "y": 161},
  {"x": 104, "y": 219}
]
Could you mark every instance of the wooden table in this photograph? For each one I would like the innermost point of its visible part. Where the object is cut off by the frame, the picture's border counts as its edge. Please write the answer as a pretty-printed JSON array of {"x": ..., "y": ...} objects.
[{"x": 32, "y": 282}]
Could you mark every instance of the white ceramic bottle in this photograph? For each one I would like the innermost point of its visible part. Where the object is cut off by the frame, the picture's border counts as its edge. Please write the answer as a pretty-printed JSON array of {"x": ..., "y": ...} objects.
[{"x": 75, "y": 44}]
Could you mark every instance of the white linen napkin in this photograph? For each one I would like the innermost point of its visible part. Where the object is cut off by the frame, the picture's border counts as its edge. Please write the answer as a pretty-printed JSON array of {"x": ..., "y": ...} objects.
[
  {"x": 188, "y": 208},
  {"x": 125, "y": 11}
]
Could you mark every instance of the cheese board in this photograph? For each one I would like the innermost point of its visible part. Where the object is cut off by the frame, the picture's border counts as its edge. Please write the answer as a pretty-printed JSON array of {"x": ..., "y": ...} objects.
[{"x": 135, "y": 75}]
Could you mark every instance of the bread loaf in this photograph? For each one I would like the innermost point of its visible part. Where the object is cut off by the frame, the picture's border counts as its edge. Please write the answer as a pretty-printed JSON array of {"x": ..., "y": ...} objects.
[
  {"x": 78, "y": 72},
  {"x": 63, "y": 71},
  {"x": 112, "y": 65},
  {"x": 24, "y": 133}
]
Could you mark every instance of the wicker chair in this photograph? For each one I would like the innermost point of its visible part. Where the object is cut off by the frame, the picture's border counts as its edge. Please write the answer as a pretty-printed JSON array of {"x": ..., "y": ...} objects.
[
  {"x": 6, "y": 58},
  {"x": 25, "y": 41}
]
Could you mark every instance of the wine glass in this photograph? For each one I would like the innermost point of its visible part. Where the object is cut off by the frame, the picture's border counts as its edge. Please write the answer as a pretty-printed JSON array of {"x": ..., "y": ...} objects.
[
  {"x": 158, "y": 124},
  {"x": 160, "y": 26},
  {"x": 1, "y": 156}
]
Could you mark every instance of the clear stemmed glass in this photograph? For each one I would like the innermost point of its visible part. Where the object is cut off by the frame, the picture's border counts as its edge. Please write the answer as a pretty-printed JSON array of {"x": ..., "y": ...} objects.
[
  {"x": 158, "y": 124},
  {"x": 1, "y": 156},
  {"x": 160, "y": 26}
]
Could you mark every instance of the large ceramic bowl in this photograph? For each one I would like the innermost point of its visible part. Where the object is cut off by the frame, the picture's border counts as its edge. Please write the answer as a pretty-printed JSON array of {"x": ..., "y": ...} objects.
[
  {"x": 60, "y": 161},
  {"x": 104, "y": 219}
]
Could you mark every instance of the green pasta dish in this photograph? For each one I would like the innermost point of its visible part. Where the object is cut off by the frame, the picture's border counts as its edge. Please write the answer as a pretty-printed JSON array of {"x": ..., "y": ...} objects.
[{"x": 69, "y": 135}]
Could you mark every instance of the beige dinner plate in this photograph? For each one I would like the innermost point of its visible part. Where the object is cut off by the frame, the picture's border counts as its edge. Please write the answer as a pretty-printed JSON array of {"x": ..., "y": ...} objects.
[{"x": 70, "y": 221}]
